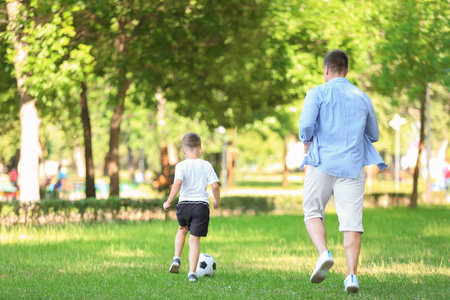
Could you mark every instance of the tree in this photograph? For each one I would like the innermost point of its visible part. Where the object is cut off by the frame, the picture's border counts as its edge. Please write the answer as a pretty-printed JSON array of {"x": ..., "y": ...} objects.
[
  {"x": 29, "y": 120},
  {"x": 58, "y": 67},
  {"x": 87, "y": 132},
  {"x": 413, "y": 53},
  {"x": 213, "y": 58},
  {"x": 55, "y": 68},
  {"x": 9, "y": 97}
]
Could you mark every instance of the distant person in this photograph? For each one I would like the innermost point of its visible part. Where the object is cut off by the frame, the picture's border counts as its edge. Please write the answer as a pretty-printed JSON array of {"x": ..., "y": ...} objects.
[
  {"x": 337, "y": 126},
  {"x": 62, "y": 175},
  {"x": 13, "y": 176},
  {"x": 446, "y": 171},
  {"x": 192, "y": 176}
]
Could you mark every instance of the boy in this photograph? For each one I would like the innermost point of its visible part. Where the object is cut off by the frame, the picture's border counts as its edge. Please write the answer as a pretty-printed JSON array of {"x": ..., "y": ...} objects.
[{"x": 192, "y": 176}]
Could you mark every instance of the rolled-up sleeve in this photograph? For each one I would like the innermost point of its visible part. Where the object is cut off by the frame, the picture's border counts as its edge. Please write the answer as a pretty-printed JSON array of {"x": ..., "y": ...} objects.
[{"x": 308, "y": 116}]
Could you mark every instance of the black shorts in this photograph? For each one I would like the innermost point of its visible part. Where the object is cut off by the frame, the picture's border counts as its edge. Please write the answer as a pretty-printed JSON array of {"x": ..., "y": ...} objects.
[{"x": 195, "y": 216}]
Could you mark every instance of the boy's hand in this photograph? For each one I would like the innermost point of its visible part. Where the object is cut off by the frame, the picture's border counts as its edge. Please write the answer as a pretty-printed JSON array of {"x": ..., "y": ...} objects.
[
  {"x": 166, "y": 205},
  {"x": 216, "y": 204}
]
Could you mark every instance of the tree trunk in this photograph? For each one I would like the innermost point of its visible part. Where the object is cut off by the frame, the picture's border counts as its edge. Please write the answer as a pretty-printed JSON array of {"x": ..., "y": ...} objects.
[
  {"x": 165, "y": 165},
  {"x": 131, "y": 163},
  {"x": 29, "y": 120},
  {"x": 285, "y": 182},
  {"x": 105, "y": 165},
  {"x": 414, "y": 195},
  {"x": 131, "y": 158},
  {"x": 90, "y": 174},
  {"x": 231, "y": 158},
  {"x": 114, "y": 138}
]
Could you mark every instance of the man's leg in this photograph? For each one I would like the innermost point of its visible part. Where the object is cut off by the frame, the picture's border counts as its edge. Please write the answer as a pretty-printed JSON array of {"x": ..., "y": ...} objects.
[
  {"x": 352, "y": 246},
  {"x": 180, "y": 239},
  {"x": 194, "y": 252},
  {"x": 317, "y": 233},
  {"x": 349, "y": 197},
  {"x": 316, "y": 193}
]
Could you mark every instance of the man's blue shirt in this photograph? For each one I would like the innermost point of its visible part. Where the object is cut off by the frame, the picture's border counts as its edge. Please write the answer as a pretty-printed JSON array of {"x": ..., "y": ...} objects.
[{"x": 340, "y": 122}]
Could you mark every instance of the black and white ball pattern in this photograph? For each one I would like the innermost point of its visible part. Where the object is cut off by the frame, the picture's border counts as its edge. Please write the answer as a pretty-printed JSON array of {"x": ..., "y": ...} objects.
[{"x": 206, "y": 265}]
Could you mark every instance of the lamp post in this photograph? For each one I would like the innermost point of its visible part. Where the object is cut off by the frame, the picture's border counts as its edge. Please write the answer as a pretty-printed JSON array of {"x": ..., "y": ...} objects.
[{"x": 396, "y": 123}]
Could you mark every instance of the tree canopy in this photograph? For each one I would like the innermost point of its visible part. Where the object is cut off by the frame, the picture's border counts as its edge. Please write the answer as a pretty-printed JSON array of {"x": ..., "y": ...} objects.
[{"x": 216, "y": 63}]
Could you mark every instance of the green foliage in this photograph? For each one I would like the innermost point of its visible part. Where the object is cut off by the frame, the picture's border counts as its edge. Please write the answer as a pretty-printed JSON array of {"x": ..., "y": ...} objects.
[
  {"x": 413, "y": 49},
  {"x": 245, "y": 203},
  {"x": 89, "y": 209},
  {"x": 9, "y": 99},
  {"x": 246, "y": 63},
  {"x": 115, "y": 208},
  {"x": 259, "y": 146}
]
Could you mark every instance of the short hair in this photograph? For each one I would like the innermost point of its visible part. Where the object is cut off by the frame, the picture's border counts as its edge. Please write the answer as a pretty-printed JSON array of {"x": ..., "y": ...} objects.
[
  {"x": 191, "y": 140},
  {"x": 336, "y": 61}
]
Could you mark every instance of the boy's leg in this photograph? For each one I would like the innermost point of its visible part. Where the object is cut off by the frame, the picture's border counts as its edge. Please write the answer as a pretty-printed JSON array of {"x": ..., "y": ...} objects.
[
  {"x": 180, "y": 239},
  {"x": 194, "y": 252},
  {"x": 179, "y": 243}
]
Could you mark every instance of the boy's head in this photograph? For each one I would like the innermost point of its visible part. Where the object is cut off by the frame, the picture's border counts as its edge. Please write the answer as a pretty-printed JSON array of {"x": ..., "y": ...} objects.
[{"x": 191, "y": 142}]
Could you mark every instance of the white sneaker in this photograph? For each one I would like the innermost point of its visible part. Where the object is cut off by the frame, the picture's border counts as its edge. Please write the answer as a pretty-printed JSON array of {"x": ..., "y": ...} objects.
[
  {"x": 175, "y": 266},
  {"x": 324, "y": 263},
  {"x": 192, "y": 277},
  {"x": 351, "y": 284}
]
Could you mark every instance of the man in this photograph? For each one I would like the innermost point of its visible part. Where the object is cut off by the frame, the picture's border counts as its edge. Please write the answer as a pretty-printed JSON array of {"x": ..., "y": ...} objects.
[{"x": 337, "y": 126}]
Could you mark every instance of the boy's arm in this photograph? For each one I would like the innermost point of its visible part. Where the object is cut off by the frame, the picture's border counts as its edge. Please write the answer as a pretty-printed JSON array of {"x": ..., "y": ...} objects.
[
  {"x": 216, "y": 192},
  {"x": 173, "y": 193}
]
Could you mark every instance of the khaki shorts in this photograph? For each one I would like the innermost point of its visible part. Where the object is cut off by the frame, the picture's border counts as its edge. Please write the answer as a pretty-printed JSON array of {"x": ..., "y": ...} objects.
[{"x": 348, "y": 196}]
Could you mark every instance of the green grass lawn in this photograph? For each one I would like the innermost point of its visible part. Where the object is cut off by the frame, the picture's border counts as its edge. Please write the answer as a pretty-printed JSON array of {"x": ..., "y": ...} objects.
[{"x": 405, "y": 255}]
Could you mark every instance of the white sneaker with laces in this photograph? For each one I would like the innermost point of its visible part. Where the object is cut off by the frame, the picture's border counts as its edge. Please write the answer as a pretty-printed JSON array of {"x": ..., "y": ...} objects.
[
  {"x": 324, "y": 263},
  {"x": 351, "y": 284}
]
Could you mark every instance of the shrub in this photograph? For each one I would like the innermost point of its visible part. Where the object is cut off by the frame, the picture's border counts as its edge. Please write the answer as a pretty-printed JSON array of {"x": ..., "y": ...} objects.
[{"x": 91, "y": 209}]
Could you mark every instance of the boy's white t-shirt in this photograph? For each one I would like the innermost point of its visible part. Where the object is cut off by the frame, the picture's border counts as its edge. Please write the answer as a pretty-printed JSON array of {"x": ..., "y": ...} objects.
[{"x": 196, "y": 175}]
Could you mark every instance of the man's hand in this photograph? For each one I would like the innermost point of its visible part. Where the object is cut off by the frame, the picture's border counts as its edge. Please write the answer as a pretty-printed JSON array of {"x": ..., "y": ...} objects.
[
  {"x": 216, "y": 204},
  {"x": 306, "y": 147},
  {"x": 166, "y": 205}
]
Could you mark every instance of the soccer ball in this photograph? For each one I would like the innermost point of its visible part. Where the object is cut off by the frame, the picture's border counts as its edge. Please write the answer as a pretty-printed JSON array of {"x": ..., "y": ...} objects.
[{"x": 206, "y": 265}]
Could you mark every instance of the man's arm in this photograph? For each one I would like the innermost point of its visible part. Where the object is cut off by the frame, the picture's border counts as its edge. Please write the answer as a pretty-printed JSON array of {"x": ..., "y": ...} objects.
[
  {"x": 371, "y": 129},
  {"x": 308, "y": 118},
  {"x": 173, "y": 193},
  {"x": 216, "y": 192}
]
